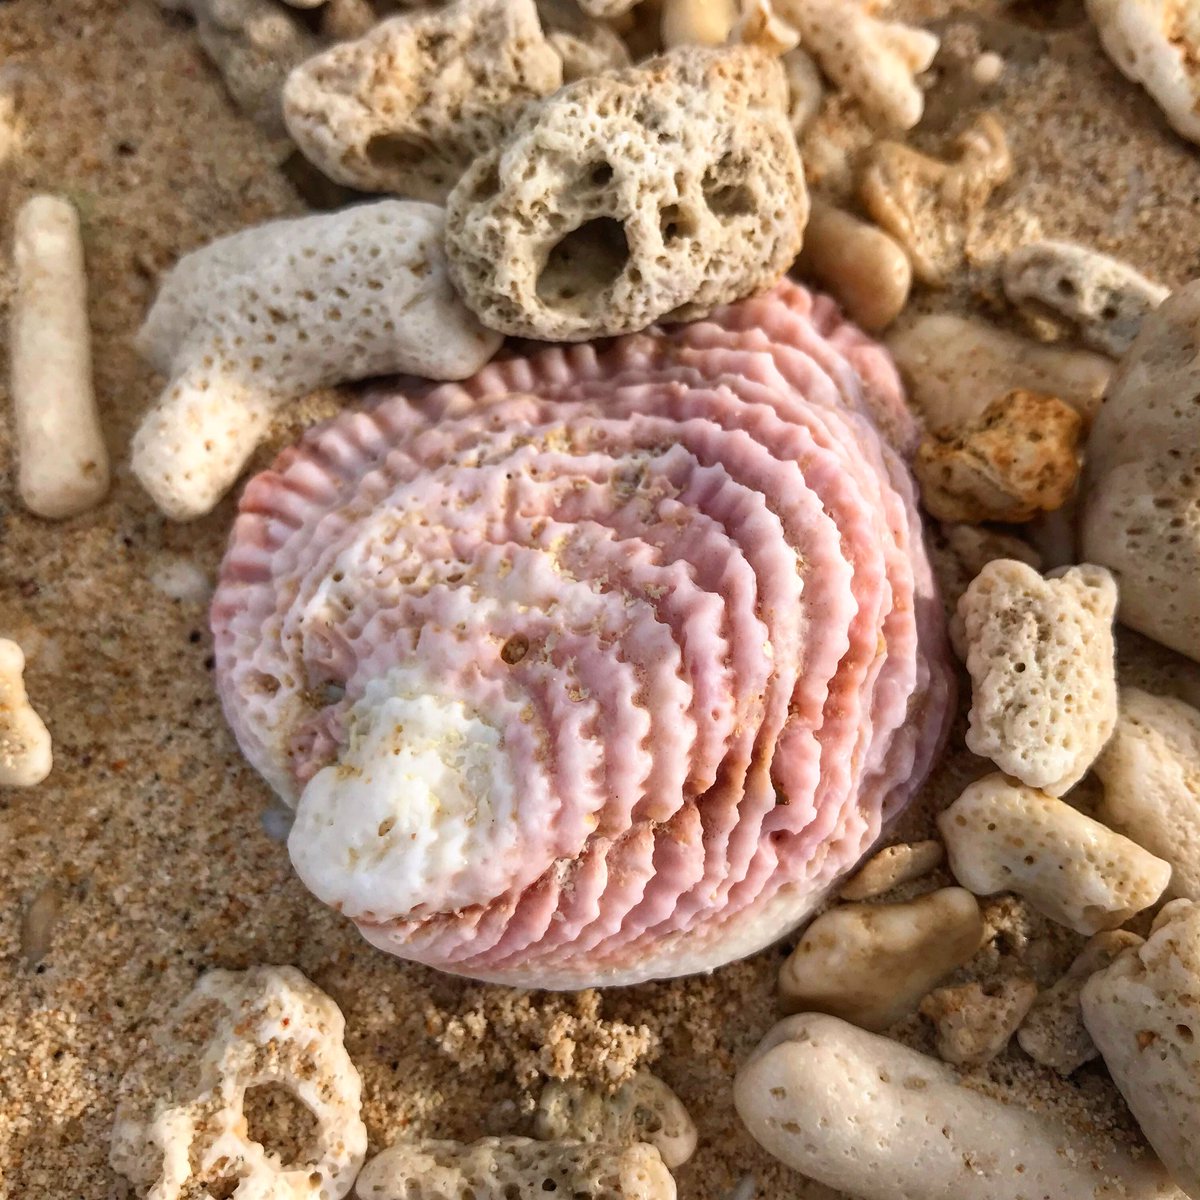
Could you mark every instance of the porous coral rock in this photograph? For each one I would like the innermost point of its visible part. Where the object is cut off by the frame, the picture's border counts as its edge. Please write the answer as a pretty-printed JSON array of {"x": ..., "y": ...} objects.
[
  {"x": 644, "y": 1109},
  {"x": 1041, "y": 657},
  {"x": 25, "y": 749},
  {"x": 1018, "y": 458},
  {"x": 974, "y": 1022},
  {"x": 1100, "y": 298},
  {"x": 928, "y": 205},
  {"x": 1053, "y": 1032},
  {"x": 873, "y": 60},
  {"x": 260, "y": 318},
  {"x": 1156, "y": 43},
  {"x": 661, "y": 191},
  {"x": 181, "y": 1126},
  {"x": 502, "y": 1167},
  {"x": 1151, "y": 775},
  {"x": 586, "y": 45},
  {"x": 960, "y": 552},
  {"x": 1141, "y": 513},
  {"x": 1143, "y": 1012},
  {"x": 1002, "y": 836},
  {"x": 891, "y": 867},
  {"x": 406, "y": 108}
]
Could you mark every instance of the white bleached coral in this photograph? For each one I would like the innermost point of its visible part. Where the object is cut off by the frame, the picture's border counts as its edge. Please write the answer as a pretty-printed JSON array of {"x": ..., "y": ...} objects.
[
  {"x": 25, "y": 750},
  {"x": 181, "y": 1126},
  {"x": 1040, "y": 653},
  {"x": 406, "y": 108},
  {"x": 874, "y": 60},
  {"x": 1002, "y": 836},
  {"x": 258, "y": 319}
]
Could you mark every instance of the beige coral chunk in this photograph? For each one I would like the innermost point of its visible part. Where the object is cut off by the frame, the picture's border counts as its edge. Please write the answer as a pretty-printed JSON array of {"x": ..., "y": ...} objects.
[
  {"x": 974, "y": 1021},
  {"x": 873, "y": 60},
  {"x": 407, "y": 108},
  {"x": 872, "y": 963},
  {"x": 891, "y": 867},
  {"x": 929, "y": 206},
  {"x": 254, "y": 44},
  {"x": 261, "y": 318},
  {"x": 1004, "y": 837},
  {"x": 956, "y": 366},
  {"x": 760, "y": 25},
  {"x": 1142, "y": 494},
  {"x": 25, "y": 750},
  {"x": 607, "y": 9},
  {"x": 1143, "y": 1013},
  {"x": 661, "y": 191},
  {"x": 181, "y": 1125},
  {"x": 873, "y": 1119},
  {"x": 1019, "y": 457},
  {"x": 1053, "y": 1033},
  {"x": 1156, "y": 43},
  {"x": 586, "y": 45},
  {"x": 863, "y": 268},
  {"x": 1151, "y": 775},
  {"x": 1100, "y": 298},
  {"x": 698, "y": 22},
  {"x": 959, "y": 552},
  {"x": 805, "y": 89},
  {"x": 644, "y": 1109},
  {"x": 1040, "y": 653},
  {"x": 503, "y": 1167}
]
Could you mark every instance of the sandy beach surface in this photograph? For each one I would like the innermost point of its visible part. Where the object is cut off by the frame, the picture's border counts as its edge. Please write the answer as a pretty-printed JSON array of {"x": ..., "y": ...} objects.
[{"x": 145, "y": 858}]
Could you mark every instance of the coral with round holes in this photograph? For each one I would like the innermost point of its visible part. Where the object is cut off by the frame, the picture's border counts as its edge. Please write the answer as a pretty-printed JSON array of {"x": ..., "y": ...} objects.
[
  {"x": 659, "y": 191},
  {"x": 634, "y": 647}
]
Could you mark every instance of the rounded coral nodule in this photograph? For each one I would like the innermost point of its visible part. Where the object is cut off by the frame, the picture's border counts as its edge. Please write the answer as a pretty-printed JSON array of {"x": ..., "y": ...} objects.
[{"x": 603, "y": 665}]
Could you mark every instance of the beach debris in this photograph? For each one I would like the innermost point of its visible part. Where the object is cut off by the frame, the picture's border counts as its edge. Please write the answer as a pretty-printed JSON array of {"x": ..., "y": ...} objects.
[
  {"x": 499, "y": 1168},
  {"x": 260, "y": 318},
  {"x": 1101, "y": 299},
  {"x": 760, "y": 25},
  {"x": 62, "y": 460},
  {"x": 871, "y": 1118},
  {"x": 975, "y": 1021},
  {"x": 863, "y": 268},
  {"x": 587, "y": 46},
  {"x": 253, "y": 44},
  {"x": 181, "y": 1126},
  {"x": 872, "y": 963},
  {"x": 1018, "y": 458},
  {"x": 1143, "y": 1012},
  {"x": 806, "y": 89},
  {"x": 959, "y": 553},
  {"x": 550, "y": 564},
  {"x": 673, "y": 187},
  {"x": 698, "y": 22},
  {"x": 1041, "y": 656},
  {"x": 1156, "y": 43},
  {"x": 1149, "y": 770},
  {"x": 1053, "y": 1032},
  {"x": 607, "y": 9},
  {"x": 873, "y": 60},
  {"x": 929, "y": 206},
  {"x": 25, "y": 750},
  {"x": 644, "y": 1109},
  {"x": 956, "y": 366},
  {"x": 892, "y": 867},
  {"x": 1005, "y": 837},
  {"x": 407, "y": 108},
  {"x": 1141, "y": 512}
]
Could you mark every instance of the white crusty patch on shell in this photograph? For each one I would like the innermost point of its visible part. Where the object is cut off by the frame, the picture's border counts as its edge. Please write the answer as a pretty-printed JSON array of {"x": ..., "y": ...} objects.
[
  {"x": 1041, "y": 656},
  {"x": 180, "y": 1128},
  {"x": 660, "y": 191},
  {"x": 258, "y": 319},
  {"x": 1157, "y": 43},
  {"x": 406, "y": 108},
  {"x": 1004, "y": 837}
]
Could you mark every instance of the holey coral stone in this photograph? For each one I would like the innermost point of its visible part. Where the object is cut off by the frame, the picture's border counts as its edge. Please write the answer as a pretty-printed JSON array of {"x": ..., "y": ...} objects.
[{"x": 603, "y": 665}]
